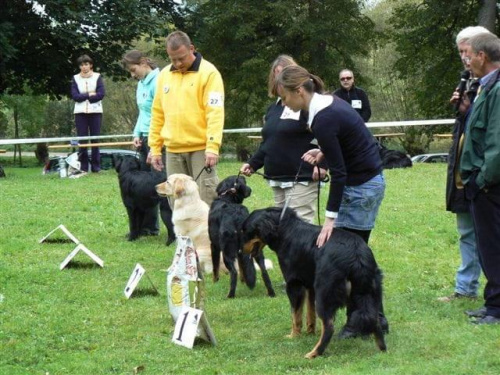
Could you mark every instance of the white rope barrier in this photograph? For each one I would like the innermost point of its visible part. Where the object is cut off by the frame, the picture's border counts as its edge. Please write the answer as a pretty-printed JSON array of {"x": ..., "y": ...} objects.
[{"x": 388, "y": 124}]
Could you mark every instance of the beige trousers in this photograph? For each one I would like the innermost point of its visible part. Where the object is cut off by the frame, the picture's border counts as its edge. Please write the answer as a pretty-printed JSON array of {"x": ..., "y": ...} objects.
[
  {"x": 191, "y": 163},
  {"x": 303, "y": 199}
]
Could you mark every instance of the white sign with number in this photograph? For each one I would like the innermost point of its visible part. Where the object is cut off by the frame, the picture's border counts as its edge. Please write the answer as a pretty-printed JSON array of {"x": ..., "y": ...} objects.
[
  {"x": 186, "y": 327},
  {"x": 134, "y": 280}
]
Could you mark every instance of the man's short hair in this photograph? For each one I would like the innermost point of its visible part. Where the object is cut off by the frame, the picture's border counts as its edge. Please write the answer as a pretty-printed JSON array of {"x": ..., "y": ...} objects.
[
  {"x": 488, "y": 43},
  {"x": 465, "y": 34},
  {"x": 177, "y": 39}
]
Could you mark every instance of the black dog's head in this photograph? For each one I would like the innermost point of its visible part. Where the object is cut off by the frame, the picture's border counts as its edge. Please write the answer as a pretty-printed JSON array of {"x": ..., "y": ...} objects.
[
  {"x": 126, "y": 164},
  {"x": 260, "y": 229},
  {"x": 234, "y": 188}
]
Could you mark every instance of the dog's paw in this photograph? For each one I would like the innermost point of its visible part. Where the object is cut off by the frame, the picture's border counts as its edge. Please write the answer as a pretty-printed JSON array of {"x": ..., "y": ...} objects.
[
  {"x": 292, "y": 335},
  {"x": 311, "y": 355},
  {"x": 271, "y": 293},
  {"x": 170, "y": 240},
  {"x": 230, "y": 295}
]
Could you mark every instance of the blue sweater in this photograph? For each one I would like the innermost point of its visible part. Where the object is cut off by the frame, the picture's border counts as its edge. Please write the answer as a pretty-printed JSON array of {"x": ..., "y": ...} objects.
[{"x": 146, "y": 89}]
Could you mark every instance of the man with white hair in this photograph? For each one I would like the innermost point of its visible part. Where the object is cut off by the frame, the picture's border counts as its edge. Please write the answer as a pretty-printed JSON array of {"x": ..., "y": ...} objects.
[
  {"x": 353, "y": 95},
  {"x": 480, "y": 167},
  {"x": 467, "y": 277}
]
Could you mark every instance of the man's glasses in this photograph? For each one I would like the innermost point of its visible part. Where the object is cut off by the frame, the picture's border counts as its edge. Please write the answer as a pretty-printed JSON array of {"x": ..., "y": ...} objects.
[{"x": 345, "y": 79}]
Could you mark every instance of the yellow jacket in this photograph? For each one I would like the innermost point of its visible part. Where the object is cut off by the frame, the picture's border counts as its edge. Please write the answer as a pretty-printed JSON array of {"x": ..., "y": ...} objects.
[{"x": 188, "y": 109}]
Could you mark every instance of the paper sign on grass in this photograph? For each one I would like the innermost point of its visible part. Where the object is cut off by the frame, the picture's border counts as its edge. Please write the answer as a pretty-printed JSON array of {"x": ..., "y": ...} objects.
[
  {"x": 134, "y": 280},
  {"x": 65, "y": 230},
  {"x": 186, "y": 327},
  {"x": 81, "y": 247}
]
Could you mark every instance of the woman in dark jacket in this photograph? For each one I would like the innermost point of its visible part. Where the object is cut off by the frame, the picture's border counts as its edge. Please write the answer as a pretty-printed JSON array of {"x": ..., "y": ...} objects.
[{"x": 285, "y": 138}]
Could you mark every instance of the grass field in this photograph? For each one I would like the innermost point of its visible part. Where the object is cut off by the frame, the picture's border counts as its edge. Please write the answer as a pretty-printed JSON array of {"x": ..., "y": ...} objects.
[{"x": 77, "y": 321}]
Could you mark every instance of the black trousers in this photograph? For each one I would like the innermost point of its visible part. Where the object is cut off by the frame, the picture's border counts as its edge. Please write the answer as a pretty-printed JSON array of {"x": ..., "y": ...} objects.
[{"x": 485, "y": 209}]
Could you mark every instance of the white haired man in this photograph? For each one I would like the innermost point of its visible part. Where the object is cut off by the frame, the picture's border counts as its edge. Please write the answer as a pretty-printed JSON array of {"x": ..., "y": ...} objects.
[{"x": 467, "y": 277}]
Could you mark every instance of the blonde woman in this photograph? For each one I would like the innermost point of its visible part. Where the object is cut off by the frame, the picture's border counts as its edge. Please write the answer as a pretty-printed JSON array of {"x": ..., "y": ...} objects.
[{"x": 285, "y": 138}]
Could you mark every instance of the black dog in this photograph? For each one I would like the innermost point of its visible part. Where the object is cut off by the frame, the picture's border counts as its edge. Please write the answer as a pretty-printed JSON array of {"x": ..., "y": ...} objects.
[
  {"x": 224, "y": 228},
  {"x": 140, "y": 198},
  {"x": 343, "y": 272},
  {"x": 393, "y": 158}
]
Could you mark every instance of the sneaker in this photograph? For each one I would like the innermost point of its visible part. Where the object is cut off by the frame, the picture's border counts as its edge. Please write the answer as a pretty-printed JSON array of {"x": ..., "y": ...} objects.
[
  {"x": 455, "y": 296},
  {"x": 487, "y": 319},
  {"x": 479, "y": 313}
]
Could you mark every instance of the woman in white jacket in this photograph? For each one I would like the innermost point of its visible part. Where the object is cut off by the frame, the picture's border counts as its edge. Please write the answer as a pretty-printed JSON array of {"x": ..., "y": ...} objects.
[{"x": 87, "y": 90}]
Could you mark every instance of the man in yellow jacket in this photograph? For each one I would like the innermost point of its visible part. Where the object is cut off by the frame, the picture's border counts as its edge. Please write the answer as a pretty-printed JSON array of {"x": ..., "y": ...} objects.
[{"x": 188, "y": 115}]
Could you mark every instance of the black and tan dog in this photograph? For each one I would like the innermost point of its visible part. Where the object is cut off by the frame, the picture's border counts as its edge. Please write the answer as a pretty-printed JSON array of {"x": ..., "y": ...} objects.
[
  {"x": 224, "y": 227},
  {"x": 343, "y": 272},
  {"x": 140, "y": 198}
]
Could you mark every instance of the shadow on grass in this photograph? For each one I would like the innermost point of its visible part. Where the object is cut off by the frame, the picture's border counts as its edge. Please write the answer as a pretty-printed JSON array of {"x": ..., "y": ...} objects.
[
  {"x": 145, "y": 292},
  {"x": 75, "y": 264},
  {"x": 57, "y": 240}
]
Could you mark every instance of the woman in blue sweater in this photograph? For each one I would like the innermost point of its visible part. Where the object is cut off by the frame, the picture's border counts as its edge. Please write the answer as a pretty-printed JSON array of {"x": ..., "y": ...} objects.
[
  {"x": 285, "y": 138},
  {"x": 146, "y": 72},
  {"x": 357, "y": 183}
]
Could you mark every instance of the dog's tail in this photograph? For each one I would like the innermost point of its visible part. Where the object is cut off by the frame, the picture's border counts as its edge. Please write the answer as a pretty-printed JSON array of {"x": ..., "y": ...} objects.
[
  {"x": 215, "y": 262},
  {"x": 247, "y": 269}
]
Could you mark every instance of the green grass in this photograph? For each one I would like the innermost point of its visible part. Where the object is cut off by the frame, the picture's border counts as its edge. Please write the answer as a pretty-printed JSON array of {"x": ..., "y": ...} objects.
[{"x": 77, "y": 321}]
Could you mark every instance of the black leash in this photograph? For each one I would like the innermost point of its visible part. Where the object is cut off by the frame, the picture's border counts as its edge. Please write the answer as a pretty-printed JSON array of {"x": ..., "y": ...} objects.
[
  {"x": 325, "y": 179},
  {"x": 207, "y": 169}
]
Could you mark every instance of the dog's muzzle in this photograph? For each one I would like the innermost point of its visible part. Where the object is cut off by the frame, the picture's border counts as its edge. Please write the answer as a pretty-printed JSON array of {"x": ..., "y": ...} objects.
[{"x": 253, "y": 247}]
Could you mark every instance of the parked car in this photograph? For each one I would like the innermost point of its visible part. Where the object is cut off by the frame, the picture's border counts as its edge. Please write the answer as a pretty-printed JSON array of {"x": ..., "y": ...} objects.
[
  {"x": 72, "y": 159},
  {"x": 430, "y": 158}
]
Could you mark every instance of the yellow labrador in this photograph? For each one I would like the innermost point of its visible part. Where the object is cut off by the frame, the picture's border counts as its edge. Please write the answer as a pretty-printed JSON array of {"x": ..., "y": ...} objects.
[{"x": 190, "y": 215}]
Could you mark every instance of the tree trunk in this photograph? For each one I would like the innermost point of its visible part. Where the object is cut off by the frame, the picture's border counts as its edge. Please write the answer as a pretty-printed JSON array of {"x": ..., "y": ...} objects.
[{"x": 487, "y": 14}]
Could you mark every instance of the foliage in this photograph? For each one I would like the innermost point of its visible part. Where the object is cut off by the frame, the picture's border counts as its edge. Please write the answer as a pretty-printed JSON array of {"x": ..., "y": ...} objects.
[
  {"x": 242, "y": 38},
  {"x": 77, "y": 321},
  {"x": 41, "y": 40},
  {"x": 120, "y": 107},
  {"x": 424, "y": 32}
]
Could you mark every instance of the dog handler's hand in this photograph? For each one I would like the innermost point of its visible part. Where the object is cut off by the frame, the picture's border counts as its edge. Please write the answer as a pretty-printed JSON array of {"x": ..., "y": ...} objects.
[
  {"x": 156, "y": 162},
  {"x": 320, "y": 176},
  {"x": 211, "y": 159},
  {"x": 246, "y": 169},
  {"x": 326, "y": 231},
  {"x": 313, "y": 156},
  {"x": 137, "y": 142}
]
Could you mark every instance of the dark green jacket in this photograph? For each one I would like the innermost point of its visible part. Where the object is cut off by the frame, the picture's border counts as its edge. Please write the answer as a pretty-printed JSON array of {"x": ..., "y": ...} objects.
[{"x": 481, "y": 153}]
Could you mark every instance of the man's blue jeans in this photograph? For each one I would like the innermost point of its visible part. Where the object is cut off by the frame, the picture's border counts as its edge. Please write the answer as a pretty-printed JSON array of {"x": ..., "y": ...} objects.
[{"x": 467, "y": 282}]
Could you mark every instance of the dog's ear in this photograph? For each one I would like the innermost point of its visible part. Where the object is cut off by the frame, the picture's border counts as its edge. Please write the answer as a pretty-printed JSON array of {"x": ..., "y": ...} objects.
[{"x": 179, "y": 187}]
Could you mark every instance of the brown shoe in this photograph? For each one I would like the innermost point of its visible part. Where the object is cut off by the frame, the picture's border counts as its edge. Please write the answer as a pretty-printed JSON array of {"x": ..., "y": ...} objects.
[{"x": 455, "y": 296}]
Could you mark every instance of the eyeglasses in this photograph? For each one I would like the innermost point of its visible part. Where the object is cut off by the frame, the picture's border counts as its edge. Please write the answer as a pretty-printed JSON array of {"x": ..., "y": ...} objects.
[{"x": 345, "y": 79}]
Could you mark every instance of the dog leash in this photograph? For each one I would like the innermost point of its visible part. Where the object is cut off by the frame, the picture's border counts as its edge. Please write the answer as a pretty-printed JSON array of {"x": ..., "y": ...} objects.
[{"x": 207, "y": 169}]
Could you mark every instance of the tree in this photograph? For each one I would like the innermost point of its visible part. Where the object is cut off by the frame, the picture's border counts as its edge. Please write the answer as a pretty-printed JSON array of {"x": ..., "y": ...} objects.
[
  {"x": 40, "y": 40},
  {"x": 424, "y": 33},
  {"x": 242, "y": 38}
]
